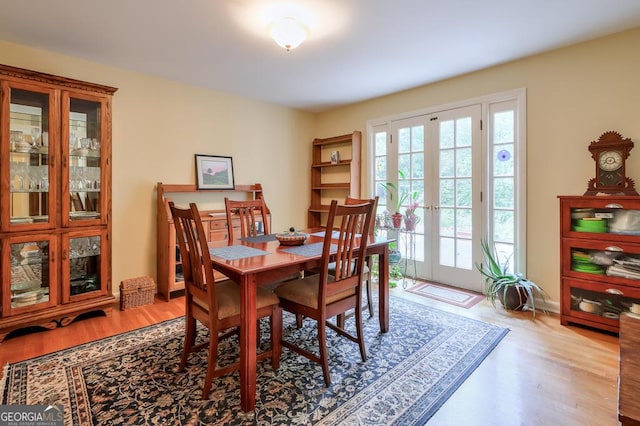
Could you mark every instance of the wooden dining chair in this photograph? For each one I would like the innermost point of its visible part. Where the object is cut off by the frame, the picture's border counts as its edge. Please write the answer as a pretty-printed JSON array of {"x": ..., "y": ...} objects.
[
  {"x": 248, "y": 211},
  {"x": 216, "y": 305},
  {"x": 368, "y": 266},
  {"x": 366, "y": 273},
  {"x": 322, "y": 296}
]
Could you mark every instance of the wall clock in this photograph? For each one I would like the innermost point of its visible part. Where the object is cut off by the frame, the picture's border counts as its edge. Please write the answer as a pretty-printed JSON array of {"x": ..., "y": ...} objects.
[{"x": 610, "y": 152}]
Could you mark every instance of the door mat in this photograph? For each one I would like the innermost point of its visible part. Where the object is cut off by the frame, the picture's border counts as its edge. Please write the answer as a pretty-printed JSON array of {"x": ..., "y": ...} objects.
[{"x": 443, "y": 293}]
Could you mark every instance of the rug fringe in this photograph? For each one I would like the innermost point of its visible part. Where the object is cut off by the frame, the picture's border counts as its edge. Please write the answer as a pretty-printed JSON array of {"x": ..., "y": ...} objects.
[{"x": 3, "y": 381}]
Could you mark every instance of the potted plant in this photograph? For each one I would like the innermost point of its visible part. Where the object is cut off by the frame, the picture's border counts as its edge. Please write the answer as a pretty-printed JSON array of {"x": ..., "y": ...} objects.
[
  {"x": 512, "y": 289},
  {"x": 398, "y": 198},
  {"x": 411, "y": 219}
]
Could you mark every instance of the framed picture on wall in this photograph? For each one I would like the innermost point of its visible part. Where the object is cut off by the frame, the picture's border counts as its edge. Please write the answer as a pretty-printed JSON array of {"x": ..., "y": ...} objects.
[{"x": 214, "y": 172}]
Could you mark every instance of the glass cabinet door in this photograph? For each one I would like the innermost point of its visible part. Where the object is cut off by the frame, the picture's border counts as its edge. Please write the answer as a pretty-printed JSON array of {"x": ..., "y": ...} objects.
[
  {"x": 84, "y": 264},
  {"x": 29, "y": 199},
  {"x": 83, "y": 146},
  {"x": 30, "y": 273}
]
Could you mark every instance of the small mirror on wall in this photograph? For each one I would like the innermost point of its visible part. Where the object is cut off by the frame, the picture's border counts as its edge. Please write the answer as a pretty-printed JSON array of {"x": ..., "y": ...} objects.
[{"x": 214, "y": 172}]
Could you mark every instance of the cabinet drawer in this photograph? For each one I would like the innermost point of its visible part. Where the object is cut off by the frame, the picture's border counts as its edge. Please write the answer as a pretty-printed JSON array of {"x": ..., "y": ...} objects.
[
  {"x": 598, "y": 302},
  {"x": 611, "y": 262},
  {"x": 218, "y": 235}
]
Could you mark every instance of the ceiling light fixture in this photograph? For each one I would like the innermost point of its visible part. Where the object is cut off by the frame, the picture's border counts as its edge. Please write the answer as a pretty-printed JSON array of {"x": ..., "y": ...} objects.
[{"x": 288, "y": 32}]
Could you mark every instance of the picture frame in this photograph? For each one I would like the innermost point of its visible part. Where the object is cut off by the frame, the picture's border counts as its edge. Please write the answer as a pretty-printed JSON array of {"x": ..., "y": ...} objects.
[
  {"x": 335, "y": 157},
  {"x": 214, "y": 172}
]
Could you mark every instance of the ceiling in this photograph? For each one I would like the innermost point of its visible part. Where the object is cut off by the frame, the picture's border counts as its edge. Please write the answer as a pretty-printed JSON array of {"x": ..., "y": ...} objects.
[{"x": 357, "y": 49}]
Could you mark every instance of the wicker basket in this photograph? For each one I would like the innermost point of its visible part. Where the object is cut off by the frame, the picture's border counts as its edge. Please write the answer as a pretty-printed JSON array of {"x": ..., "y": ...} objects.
[{"x": 136, "y": 292}]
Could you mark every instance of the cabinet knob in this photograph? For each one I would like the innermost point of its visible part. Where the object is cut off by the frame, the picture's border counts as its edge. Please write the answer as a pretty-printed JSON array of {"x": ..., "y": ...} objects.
[
  {"x": 613, "y": 248},
  {"x": 613, "y": 291},
  {"x": 614, "y": 206}
]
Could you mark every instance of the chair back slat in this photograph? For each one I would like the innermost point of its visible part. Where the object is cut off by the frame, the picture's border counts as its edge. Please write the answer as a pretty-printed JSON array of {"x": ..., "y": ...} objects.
[
  {"x": 251, "y": 213},
  {"x": 351, "y": 201},
  {"x": 352, "y": 223},
  {"x": 194, "y": 250}
]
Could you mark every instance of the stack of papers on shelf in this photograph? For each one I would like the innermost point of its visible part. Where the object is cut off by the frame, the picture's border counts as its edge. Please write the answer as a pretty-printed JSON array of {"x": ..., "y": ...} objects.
[{"x": 628, "y": 268}]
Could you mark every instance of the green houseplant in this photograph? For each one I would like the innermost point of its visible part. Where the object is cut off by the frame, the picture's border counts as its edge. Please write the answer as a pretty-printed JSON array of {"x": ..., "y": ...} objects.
[
  {"x": 512, "y": 289},
  {"x": 399, "y": 197}
]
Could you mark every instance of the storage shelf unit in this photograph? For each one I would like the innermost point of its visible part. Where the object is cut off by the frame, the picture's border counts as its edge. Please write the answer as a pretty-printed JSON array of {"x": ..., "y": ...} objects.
[
  {"x": 169, "y": 268},
  {"x": 333, "y": 179},
  {"x": 600, "y": 276}
]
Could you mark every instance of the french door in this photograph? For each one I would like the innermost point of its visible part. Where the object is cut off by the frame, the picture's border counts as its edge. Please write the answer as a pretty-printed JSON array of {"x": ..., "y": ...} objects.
[{"x": 437, "y": 156}]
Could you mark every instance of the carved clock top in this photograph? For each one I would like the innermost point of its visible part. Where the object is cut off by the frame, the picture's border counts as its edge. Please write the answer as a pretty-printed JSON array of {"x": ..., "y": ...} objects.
[
  {"x": 609, "y": 140},
  {"x": 610, "y": 152}
]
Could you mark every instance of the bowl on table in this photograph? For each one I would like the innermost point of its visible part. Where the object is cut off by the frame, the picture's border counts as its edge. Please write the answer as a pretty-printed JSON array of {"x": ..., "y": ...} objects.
[{"x": 292, "y": 238}]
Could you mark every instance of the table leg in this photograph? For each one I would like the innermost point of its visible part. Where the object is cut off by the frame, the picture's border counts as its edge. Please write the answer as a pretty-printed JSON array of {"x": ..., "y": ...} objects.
[
  {"x": 383, "y": 289},
  {"x": 248, "y": 324}
]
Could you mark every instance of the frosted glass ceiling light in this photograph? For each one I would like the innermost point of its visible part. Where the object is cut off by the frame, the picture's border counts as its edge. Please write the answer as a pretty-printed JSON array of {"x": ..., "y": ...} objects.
[{"x": 288, "y": 32}]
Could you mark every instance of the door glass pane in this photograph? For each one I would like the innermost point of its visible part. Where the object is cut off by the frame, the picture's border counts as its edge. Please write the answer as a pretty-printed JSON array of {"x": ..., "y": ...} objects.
[
  {"x": 84, "y": 258},
  {"x": 463, "y": 192},
  {"x": 381, "y": 143},
  {"x": 381, "y": 171},
  {"x": 29, "y": 156},
  {"x": 447, "y": 193},
  {"x": 446, "y": 163},
  {"x": 505, "y": 255},
  {"x": 404, "y": 140},
  {"x": 447, "y": 252},
  {"x": 463, "y": 162},
  {"x": 504, "y": 196},
  {"x": 503, "y": 129},
  {"x": 417, "y": 138},
  {"x": 504, "y": 225},
  {"x": 447, "y": 222},
  {"x": 463, "y": 254},
  {"x": 84, "y": 159},
  {"x": 29, "y": 273},
  {"x": 463, "y": 132},
  {"x": 503, "y": 155},
  {"x": 446, "y": 134},
  {"x": 463, "y": 223}
]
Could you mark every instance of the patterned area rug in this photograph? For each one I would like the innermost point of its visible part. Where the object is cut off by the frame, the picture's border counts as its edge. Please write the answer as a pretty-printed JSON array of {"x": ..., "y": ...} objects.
[
  {"x": 131, "y": 379},
  {"x": 443, "y": 293}
]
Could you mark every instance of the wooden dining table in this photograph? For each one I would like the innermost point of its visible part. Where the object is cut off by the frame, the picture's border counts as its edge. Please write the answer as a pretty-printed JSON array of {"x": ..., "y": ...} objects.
[{"x": 261, "y": 261}]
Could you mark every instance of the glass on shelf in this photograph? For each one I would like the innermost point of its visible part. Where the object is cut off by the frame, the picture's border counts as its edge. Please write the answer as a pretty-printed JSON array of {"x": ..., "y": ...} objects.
[
  {"x": 29, "y": 163},
  {"x": 29, "y": 273},
  {"x": 84, "y": 258},
  {"x": 610, "y": 262},
  {"x": 604, "y": 304},
  {"x": 610, "y": 219}
]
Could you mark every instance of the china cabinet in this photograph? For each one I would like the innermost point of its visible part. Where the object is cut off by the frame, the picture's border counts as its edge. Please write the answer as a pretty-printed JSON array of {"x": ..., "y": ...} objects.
[
  {"x": 55, "y": 199},
  {"x": 335, "y": 174},
  {"x": 210, "y": 202},
  {"x": 600, "y": 259}
]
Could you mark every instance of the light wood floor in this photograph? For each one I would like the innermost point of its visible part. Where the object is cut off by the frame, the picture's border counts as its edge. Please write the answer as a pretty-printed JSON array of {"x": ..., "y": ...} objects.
[{"x": 541, "y": 373}]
